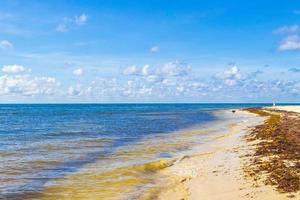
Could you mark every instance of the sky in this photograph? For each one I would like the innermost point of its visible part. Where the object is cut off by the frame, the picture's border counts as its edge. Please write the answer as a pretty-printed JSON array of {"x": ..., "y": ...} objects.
[{"x": 60, "y": 51}]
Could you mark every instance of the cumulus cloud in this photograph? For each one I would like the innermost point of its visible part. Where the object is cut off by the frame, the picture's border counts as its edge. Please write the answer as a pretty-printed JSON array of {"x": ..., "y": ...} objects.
[
  {"x": 131, "y": 70},
  {"x": 63, "y": 26},
  {"x": 26, "y": 85},
  {"x": 287, "y": 29},
  {"x": 290, "y": 43},
  {"x": 176, "y": 69},
  {"x": 146, "y": 70},
  {"x": 13, "y": 69},
  {"x": 78, "y": 72},
  {"x": 161, "y": 81},
  {"x": 152, "y": 83},
  {"x": 166, "y": 82},
  {"x": 230, "y": 76},
  {"x": 81, "y": 19},
  {"x": 4, "y": 44},
  {"x": 17, "y": 84},
  {"x": 75, "y": 91},
  {"x": 155, "y": 74},
  {"x": 68, "y": 23},
  {"x": 154, "y": 49},
  {"x": 255, "y": 74}
]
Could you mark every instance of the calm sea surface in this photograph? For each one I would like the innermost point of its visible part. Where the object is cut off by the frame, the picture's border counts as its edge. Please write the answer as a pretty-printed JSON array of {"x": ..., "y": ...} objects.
[{"x": 46, "y": 150}]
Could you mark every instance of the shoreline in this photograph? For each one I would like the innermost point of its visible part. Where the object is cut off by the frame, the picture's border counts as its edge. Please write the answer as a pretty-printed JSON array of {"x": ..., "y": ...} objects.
[
  {"x": 220, "y": 173},
  {"x": 212, "y": 162},
  {"x": 136, "y": 180}
]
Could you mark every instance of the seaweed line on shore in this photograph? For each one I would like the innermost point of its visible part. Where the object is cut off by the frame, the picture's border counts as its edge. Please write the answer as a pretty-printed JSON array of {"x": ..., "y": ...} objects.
[{"x": 276, "y": 157}]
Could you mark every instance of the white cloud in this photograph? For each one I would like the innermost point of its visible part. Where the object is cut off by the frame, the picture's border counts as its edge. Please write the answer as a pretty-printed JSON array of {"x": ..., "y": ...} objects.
[
  {"x": 62, "y": 27},
  {"x": 81, "y": 20},
  {"x": 146, "y": 70},
  {"x": 145, "y": 90},
  {"x": 15, "y": 84},
  {"x": 255, "y": 74},
  {"x": 132, "y": 70},
  {"x": 74, "y": 91},
  {"x": 233, "y": 72},
  {"x": 169, "y": 69},
  {"x": 68, "y": 23},
  {"x": 78, "y": 72},
  {"x": 287, "y": 29},
  {"x": 290, "y": 43},
  {"x": 175, "y": 69},
  {"x": 26, "y": 85},
  {"x": 13, "y": 69},
  {"x": 154, "y": 49},
  {"x": 166, "y": 82},
  {"x": 230, "y": 76},
  {"x": 151, "y": 83},
  {"x": 4, "y": 44}
]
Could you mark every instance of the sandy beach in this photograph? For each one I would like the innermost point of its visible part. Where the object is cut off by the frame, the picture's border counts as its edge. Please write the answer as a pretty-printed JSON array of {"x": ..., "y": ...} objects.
[
  {"x": 286, "y": 108},
  {"x": 222, "y": 171},
  {"x": 252, "y": 153},
  {"x": 149, "y": 100}
]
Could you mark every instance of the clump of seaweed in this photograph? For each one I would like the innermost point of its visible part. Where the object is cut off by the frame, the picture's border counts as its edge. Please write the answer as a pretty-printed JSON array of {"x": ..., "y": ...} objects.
[{"x": 276, "y": 158}]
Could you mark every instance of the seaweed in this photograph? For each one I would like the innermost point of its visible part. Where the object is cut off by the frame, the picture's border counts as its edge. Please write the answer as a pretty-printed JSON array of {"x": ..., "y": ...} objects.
[{"x": 276, "y": 157}]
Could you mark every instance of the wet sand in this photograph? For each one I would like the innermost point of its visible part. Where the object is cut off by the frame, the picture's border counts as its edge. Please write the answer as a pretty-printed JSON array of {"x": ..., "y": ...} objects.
[{"x": 221, "y": 173}]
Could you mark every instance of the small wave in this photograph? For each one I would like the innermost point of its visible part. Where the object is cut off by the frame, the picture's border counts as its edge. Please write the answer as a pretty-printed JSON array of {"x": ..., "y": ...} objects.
[{"x": 154, "y": 166}]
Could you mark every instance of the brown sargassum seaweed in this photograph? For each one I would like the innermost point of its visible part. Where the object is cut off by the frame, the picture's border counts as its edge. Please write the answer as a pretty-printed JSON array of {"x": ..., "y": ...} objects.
[{"x": 276, "y": 158}]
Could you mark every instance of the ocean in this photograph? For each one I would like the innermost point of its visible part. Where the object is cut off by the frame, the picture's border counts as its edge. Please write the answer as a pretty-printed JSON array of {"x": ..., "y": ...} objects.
[{"x": 97, "y": 151}]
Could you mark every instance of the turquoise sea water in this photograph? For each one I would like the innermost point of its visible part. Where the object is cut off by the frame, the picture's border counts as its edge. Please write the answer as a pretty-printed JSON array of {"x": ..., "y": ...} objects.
[{"x": 40, "y": 144}]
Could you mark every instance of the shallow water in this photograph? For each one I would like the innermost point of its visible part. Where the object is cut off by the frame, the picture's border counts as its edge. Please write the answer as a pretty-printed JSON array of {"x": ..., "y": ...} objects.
[{"x": 96, "y": 151}]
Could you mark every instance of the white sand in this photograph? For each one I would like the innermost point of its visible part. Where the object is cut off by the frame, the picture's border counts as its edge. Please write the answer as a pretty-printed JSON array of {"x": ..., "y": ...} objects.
[
  {"x": 286, "y": 108},
  {"x": 218, "y": 175}
]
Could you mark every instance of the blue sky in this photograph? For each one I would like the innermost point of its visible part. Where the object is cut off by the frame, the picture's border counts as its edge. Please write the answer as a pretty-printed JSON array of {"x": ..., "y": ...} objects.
[{"x": 149, "y": 51}]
